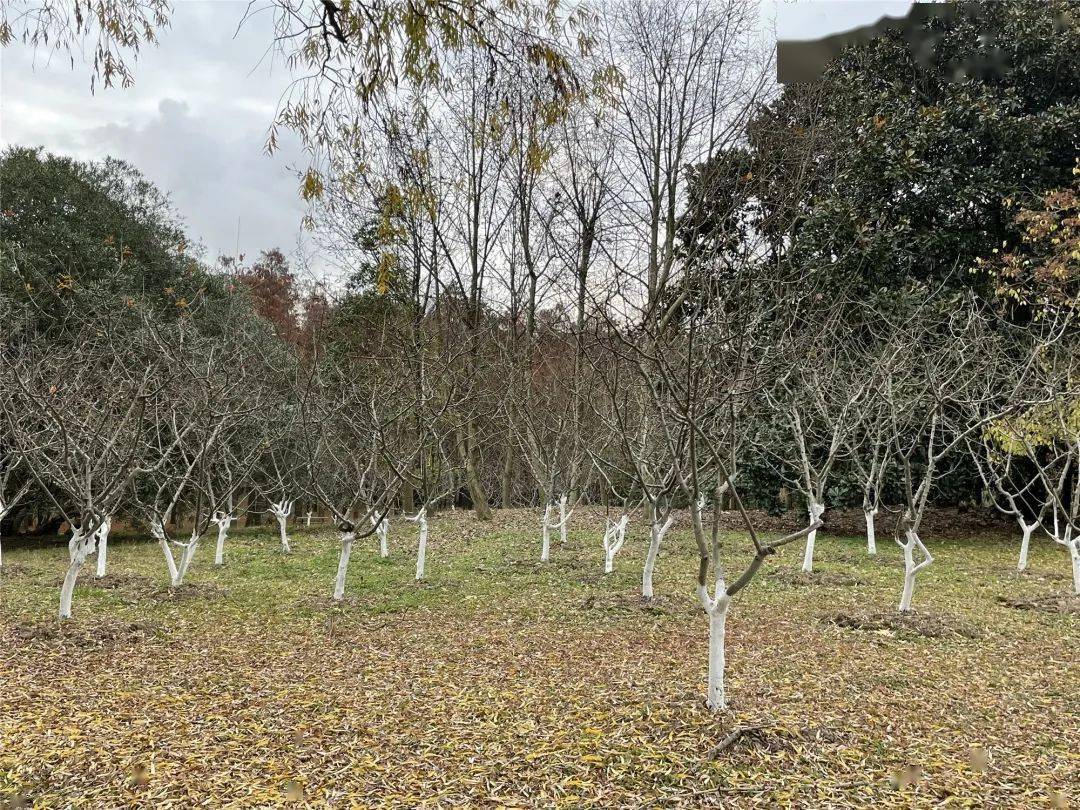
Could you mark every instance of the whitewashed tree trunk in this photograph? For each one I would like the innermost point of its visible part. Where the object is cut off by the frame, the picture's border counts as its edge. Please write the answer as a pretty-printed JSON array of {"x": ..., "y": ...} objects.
[
  {"x": 157, "y": 530},
  {"x": 223, "y": 522},
  {"x": 1073, "y": 545},
  {"x": 1025, "y": 543},
  {"x": 307, "y": 520},
  {"x": 281, "y": 511},
  {"x": 716, "y": 609},
  {"x": 186, "y": 556},
  {"x": 103, "y": 546},
  {"x": 614, "y": 537},
  {"x": 911, "y": 568},
  {"x": 79, "y": 547},
  {"x": 382, "y": 529},
  {"x": 869, "y": 513},
  {"x": 545, "y": 543},
  {"x": 285, "y": 547},
  {"x": 421, "y": 550},
  {"x": 656, "y": 537},
  {"x": 1074, "y": 553},
  {"x": 816, "y": 510},
  {"x": 347, "y": 539}
]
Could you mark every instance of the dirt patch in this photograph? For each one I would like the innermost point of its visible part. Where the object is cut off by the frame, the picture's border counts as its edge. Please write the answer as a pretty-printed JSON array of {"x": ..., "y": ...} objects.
[
  {"x": 800, "y": 578},
  {"x": 96, "y": 635},
  {"x": 770, "y": 740},
  {"x": 928, "y": 625},
  {"x": 14, "y": 570},
  {"x": 1049, "y": 603},
  {"x": 113, "y": 581},
  {"x": 633, "y": 603},
  {"x": 189, "y": 591}
]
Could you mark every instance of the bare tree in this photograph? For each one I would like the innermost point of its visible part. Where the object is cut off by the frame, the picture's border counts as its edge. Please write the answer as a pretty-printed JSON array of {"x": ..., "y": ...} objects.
[
  {"x": 818, "y": 411},
  {"x": 949, "y": 377},
  {"x": 214, "y": 390},
  {"x": 76, "y": 417},
  {"x": 689, "y": 75}
]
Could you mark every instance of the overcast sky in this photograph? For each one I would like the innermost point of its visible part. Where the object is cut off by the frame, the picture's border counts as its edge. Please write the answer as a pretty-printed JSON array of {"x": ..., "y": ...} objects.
[{"x": 196, "y": 120}]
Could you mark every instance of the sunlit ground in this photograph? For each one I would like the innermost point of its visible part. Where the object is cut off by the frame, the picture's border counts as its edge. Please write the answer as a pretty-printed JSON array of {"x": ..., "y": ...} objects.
[{"x": 500, "y": 681}]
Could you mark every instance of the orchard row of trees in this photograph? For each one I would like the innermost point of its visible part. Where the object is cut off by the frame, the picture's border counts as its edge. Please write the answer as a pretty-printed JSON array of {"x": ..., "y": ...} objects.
[{"x": 660, "y": 286}]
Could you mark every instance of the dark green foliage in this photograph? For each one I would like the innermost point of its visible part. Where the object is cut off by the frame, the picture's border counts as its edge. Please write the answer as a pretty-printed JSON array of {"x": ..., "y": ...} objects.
[
  {"x": 895, "y": 168},
  {"x": 80, "y": 235}
]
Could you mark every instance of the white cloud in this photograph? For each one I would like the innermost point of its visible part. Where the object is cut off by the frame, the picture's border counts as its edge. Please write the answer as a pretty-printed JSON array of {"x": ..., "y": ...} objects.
[
  {"x": 196, "y": 120},
  {"x": 195, "y": 123}
]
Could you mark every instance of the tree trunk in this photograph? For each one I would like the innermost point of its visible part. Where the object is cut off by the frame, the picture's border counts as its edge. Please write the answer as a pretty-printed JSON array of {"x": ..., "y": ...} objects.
[
  {"x": 222, "y": 533},
  {"x": 717, "y": 640},
  {"x": 347, "y": 539},
  {"x": 871, "y": 533},
  {"x": 1025, "y": 544},
  {"x": 545, "y": 547},
  {"x": 1074, "y": 554},
  {"x": 476, "y": 491},
  {"x": 285, "y": 547},
  {"x": 169, "y": 561},
  {"x": 68, "y": 588},
  {"x": 816, "y": 510},
  {"x": 656, "y": 537},
  {"x": 507, "y": 476},
  {"x": 465, "y": 446},
  {"x": 103, "y": 547},
  {"x": 716, "y": 609},
  {"x": 186, "y": 557},
  {"x": 614, "y": 537},
  {"x": 911, "y": 568},
  {"x": 421, "y": 551},
  {"x": 383, "y": 530},
  {"x": 79, "y": 547}
]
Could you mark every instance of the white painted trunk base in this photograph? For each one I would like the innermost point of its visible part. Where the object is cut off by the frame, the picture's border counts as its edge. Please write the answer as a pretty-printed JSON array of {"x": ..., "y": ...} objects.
[
  {"x": 79, "y": 548},
  {"x": 103, "y": 546},
  {"x": 1074, "y": 553},
  {"x": 421, "y": 550},
  {"x": 1025, "y": 544},
  {"x": 223, "y": 523},
  {"x": 545, "y": 539},
  {"x": 716, "y": 609},
  {"x": 717, "y": 699},
  {"x": 186, "y": 556},
  {"x": 281, "y": 510},
  {"x": 347, "y": 539},
  {"x": 815, "y": 510},
  {"x": 382, "y": 529},
  {"x": 285, "y": 547},
  {"x": 911, "y": 568},
  {"x": 871, "y": 531},
  {"x": 1072, "y": 543},
  {"x": 656, "y": 537},
  {"x": 614, "y": 537}
]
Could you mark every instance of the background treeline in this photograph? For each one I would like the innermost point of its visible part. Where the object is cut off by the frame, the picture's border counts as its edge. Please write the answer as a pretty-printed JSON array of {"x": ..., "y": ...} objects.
[{"x": 495, "y": 233}]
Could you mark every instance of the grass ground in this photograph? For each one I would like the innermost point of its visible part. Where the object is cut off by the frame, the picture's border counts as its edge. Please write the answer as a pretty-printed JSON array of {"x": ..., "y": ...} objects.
[{"x": 503, "y": 682}]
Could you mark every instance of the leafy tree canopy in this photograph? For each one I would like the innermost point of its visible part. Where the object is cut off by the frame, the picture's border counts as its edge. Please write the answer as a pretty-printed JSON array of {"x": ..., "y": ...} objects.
[
  {"x": 911, "y": 166},
  {"x": 76, "y": 233}
]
